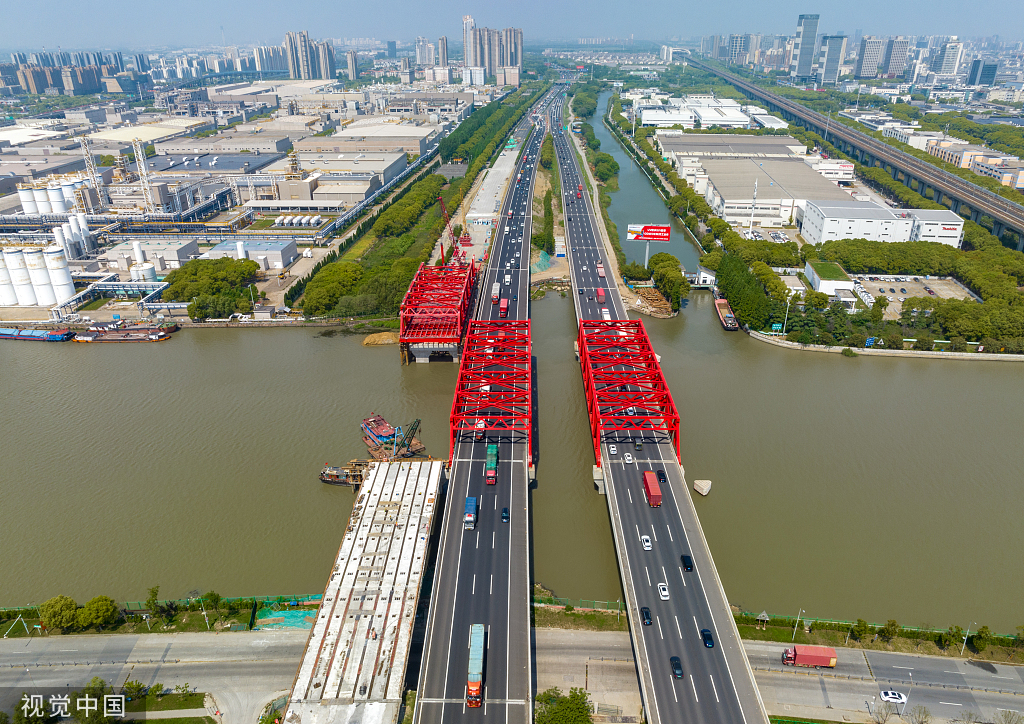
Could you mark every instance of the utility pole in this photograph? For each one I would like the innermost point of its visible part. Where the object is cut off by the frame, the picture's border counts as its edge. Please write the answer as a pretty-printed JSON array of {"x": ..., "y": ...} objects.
[{"x": 797, "y": 623}]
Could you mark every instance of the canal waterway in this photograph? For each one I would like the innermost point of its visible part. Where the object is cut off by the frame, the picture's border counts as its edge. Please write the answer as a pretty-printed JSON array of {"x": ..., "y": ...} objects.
[{"x": 867, "y": 487}]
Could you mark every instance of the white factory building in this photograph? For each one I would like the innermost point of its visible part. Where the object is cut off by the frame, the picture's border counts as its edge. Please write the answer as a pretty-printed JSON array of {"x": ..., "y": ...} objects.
[{"x": 851, "y": 219}]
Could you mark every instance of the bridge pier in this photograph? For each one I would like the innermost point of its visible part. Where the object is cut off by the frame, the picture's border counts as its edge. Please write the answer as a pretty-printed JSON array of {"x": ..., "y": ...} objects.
[{"x": 599, "y": 479}]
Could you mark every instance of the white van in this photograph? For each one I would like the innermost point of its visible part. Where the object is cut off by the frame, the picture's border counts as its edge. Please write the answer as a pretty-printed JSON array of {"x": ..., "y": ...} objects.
[{"x": 508, "y": 278}]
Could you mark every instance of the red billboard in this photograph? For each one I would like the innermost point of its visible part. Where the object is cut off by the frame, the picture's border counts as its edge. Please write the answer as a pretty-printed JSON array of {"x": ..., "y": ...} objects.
[
  {"x": 648, "y": 232},
  {"x": 580, "y": 67}
]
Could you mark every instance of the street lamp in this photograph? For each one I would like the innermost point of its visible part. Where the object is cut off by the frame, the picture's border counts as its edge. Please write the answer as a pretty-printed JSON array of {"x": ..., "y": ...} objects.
[
  {"x": 908, "y": 693},
  {"x": 973, "y": 623},
  {"x": 797, "y": 623}
]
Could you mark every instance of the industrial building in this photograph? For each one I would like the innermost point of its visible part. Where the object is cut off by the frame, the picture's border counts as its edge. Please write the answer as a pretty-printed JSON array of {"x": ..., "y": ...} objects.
[
  {"x": 782, "y": 186},
  {"x": 373, "y": 138},
  {"x": 675, "y": 145},
  {"x": 236, "y": 143},
  {"x": 385, "y": 166},
  {"x": 163, "y": 254},
  {"x": 269, "y": 254},
  {"x": 852, "y": 219}
]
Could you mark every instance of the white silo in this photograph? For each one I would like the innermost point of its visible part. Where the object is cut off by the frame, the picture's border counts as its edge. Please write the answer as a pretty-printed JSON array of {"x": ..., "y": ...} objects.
[
  {"x": 68, "y": 189},
  {"x": 40, "y": 277},
  {"x": 74, "y": 245},
  {"x": 28, "y": 201},
  {"x": 19, "y": 277},
  {"x": 60, "y": 275},
  {"x": 76, "y": 232},
  {"x": 240, "y": 250},
  {"x": 7, "y": 296},
  {"x": 137, "y": 252},
  {"x": 145, "y": 272},
  {"x": 42, "y": 200},
  {"x": 62, "y": 241},
  {"x": 278, "y": 220},
  {"x": 56, "y": 196},
  {"x": 87, "y": 243}
]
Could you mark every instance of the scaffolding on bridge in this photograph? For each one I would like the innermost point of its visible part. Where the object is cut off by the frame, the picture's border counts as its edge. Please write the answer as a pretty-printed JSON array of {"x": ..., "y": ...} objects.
[
  {"x": 494, "y": 393},
  {"x": 436, "y": 307},
  {"x": 624, "y": 384}
]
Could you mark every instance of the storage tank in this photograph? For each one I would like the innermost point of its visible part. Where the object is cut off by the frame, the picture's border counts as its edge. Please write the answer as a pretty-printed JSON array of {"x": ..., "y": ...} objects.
[
  {"x": 60, "y": 275},
  {"x": 305, "y": 220},
  {"x": 76, "y": 231},
  {"x": 7, "y": 296},
  {"x": 61, "y": 240},
  {"x": 19, "y": 277},
  {"x": 42, "y": 200},
  {"x": 68, "y": 189},
  {"x": 277, "y": 221},
  {"x": 28, "y": 201},
  {"x": 40, "y": 277},
  {"x": 137, "y": 252},
  {"x": 87, "y": 244},
  {"x": 240, "y": 250},
  {"x": 75, "y": 248},
  {"x": 145, "y": 272},
  {"x": 56, "y": 196}
]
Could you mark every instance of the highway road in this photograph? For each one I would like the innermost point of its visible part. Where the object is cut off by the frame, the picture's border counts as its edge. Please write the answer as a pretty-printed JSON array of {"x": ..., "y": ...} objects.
[
  {"x": 716, "y": 685},
  {"x": 482, "y": 575}
]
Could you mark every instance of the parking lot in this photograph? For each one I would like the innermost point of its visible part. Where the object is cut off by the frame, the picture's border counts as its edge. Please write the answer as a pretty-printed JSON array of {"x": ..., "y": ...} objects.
[
  {"x": 770, "y": 234},
  {"x": 899, "y": 288}
]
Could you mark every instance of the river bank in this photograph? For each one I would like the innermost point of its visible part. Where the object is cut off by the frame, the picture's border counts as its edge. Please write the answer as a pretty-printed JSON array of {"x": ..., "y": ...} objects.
[{"x": 858, "y": 351}]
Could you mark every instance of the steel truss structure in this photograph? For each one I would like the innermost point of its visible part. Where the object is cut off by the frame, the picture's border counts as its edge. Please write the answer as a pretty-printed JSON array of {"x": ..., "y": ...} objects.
[
  {"x": 436, "y": 307},
  {"x": 625, "y": 387},
  {"x": 495, "y": 383}
]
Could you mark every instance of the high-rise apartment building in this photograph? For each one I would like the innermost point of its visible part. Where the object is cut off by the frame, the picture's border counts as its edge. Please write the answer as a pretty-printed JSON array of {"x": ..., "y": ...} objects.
[
  {"x": 982, "y": 73},
  {"x": 423, "y": 52},
  {"x": 869, "y": 57},
  {"x": 512, "y": 48},
  {"x": 832, "y": 50},
  {"x": 392, "y": 49},
  {"x": 353, "y": 64},
  {"x": 493, "y": 49},
  {"x": 270, "y": 57},
  {"x": 895, "y": 60},
  {"x": 739, "y": 49},
  {"x": 442, "y": 51},
  {"x": 947, "y": 60},
  {"x": 141, "y": 62},
  {"x": 326, "y": 68},
  {"x": 297, "y": 53},
  {"x": 468, "y": 58},
  {"x": 19, "y": 58},
  {"x": 801, "y": 64}
]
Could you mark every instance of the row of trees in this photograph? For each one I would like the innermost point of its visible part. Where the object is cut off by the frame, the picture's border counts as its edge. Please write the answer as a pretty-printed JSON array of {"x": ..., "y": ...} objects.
[
  {"x": 61, "y": 612},
  {"x": 403, "y": 215},
  {"x": 592, "y": 141},
  {"x": 545, "y": 238},
  {"x": 667, "y": 274},
  {"x": 584, "y": 101},
  {"x": 547, "y": 152}
]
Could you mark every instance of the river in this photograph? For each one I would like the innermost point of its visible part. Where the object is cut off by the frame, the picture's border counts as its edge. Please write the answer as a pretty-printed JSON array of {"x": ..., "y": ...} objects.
[{"x": 867, "y": 487}]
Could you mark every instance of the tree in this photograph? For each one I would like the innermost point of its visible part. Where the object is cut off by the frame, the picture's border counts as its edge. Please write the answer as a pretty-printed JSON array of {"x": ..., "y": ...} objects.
[
  {"x": 878, "y": 309},
  {"x": 924, "y": 342},
  {"x": 890, "y": 630},
  {"x": 95, "y": 689},
  {"x": 133, "y": 689},
  {"x": 920, "y": 715},
  {"x": 155, "y": 691},
  {"x": 894, "y": 340},
  {"x": 951, "y": 637},
  {"x": 883, "y": 712},
  {"x": 100, "y": 611},
  {"x": 59, "y": 612},
  {"x": 555, "y": 708},
  {"x": 861, "y": 630},
  {"x": 151, "y": 600},
  {"x": 981, "y": 639},
  {"x": 817, "y": 300},
  {"x": 1008, "y": 716},
  {"x": 212, "y": 599}
]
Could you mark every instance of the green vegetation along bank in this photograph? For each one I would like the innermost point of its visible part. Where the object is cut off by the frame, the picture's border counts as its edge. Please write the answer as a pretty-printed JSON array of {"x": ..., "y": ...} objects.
[{"x": 214, "y": 288}]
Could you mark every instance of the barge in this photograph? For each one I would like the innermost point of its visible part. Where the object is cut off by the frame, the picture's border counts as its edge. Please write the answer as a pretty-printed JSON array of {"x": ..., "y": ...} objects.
[
  {"x": 36, "y": 335},
  {"x": 725, "y": 315}
]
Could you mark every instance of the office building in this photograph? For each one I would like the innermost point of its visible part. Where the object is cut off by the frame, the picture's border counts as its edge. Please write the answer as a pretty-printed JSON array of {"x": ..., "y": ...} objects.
[
  {"x": 392, "y": 49},
  {"x": 830, "y": 58},
  {"x": 473, "y": 75},
  {"x": 424, "y": 52},
  {"x": 739, "y": 49},
  {"x": 353, "y": 64},
  {"x": 468, "y": 24},
  {"x": 894, "y": 63},
  {"x": 801, "y": 63},
  {"x": 982, "y": 73},
  {"x": 442, "y": 51},
  {"x": 850, "y": 219},
  {"x": 947, "y": 60},
  {"x": 869, "y": 57}
]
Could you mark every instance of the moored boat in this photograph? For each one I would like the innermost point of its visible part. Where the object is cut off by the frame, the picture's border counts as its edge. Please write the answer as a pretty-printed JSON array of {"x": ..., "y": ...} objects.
[{"x": 725, "y": 315}]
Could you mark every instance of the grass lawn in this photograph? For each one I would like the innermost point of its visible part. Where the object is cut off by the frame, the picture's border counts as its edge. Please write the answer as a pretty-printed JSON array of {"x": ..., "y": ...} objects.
[
  {"x": 167, "y": 702},
  {"x": 784, "y": 720},
  {"x": 551, "y": 617},
  {"x": 183, "y": 621},
  {"x": 829, "y": 271},
  {"x": 359, "y": 248},
  {"x": 94, "y": 304},
  {"x": 189, "y": 720}
]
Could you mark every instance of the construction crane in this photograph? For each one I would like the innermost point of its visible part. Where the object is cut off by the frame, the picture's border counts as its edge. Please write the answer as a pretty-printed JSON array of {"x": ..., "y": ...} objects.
[
  {"x": 457, "y": 256},
  {"x": 403, "y": 441}
]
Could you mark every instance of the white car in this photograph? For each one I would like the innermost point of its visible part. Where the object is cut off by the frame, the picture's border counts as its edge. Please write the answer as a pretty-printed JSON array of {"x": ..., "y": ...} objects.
[
  {"x": 628, "y": 458},
  {"x": 663, "y": 591},
  {"x": 612, "y": 450},
  {"x": 645, "y": 541},
  {"x": 893, "y": 696}
]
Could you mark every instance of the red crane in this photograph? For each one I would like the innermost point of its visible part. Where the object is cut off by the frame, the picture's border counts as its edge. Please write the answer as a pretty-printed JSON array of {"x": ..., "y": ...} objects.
[{"x": 457, "y": 256}]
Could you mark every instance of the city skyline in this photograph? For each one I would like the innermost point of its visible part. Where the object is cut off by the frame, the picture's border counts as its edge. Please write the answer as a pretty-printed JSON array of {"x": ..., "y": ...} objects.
[{"x": 229, "y": 22}]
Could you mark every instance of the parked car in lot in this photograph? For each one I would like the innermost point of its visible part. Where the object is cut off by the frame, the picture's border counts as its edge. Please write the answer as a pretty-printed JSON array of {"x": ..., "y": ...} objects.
[{"x": 903, "y": 291}]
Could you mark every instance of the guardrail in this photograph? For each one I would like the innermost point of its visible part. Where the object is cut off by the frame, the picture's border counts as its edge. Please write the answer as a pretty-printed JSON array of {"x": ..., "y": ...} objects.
[{"x": 906, "y": 682}]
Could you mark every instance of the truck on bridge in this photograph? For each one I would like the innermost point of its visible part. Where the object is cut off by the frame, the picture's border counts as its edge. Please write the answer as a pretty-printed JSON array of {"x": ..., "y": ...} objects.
[
  {"x": 600, "y": 270},
  {"x": 469, "y": 519},
  {"x": 816, "y": 656},
  {"x": 475, "y": 678},
  {"x": 652, "y": 489},
  {"x": 495, "y": 292},
  {"x": 600, "y": 295},
  {"x": 491, "y": 469}
]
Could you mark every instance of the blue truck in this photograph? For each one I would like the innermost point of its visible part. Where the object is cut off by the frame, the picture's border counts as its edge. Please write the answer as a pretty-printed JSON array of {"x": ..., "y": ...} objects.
[{"x": 469, "y": 519}]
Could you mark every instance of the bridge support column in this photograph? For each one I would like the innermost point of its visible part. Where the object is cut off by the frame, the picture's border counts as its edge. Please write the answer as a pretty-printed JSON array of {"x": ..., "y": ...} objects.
[
  {"x": 997, "y": 228},
  {"x": 955, "y": 207},
  {"x": 599, "y": 480},
  {"x": 975, "y": 216}
]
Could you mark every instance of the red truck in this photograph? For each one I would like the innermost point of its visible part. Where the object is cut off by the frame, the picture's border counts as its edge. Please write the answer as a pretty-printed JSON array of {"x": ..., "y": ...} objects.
[
  {"x": 652, "y": 489},
  {"x": 816, "y": 656},
  {"x": 600, "y": 295}
]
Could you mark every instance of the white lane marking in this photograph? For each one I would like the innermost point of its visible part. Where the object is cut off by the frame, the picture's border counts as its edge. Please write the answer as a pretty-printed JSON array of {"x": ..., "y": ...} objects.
[
  {"x": 694, "y": 689},
  {"x": 492, "y": 585},
  {"x": 659, "y": 628},
  {"x": 670, "y": 533},
  {"x": 908, "y": 668},
  {"x": 495, "y": 502},
  {"x": 681, "y": 574},
  {"x": 630, "y": 496},
  {"x": 648, "y": 575},
  {"x": 715, "y": 688},
  {"x": 696, "y": 626},
  {"x": 493, "y": 534},
  {"x": 637, "y": 531},
  {"x": 950, "y": 703},
  {"x": 672, "y": 680},
  {"x": 474, "y": 583},
  {"x": 478, "y": 539},
  {"x": 950, "y": 672},
  {"x": 678, "y": 630},
  {"x": 654, "y": 533},
  {"x": 664, "y": 577}
]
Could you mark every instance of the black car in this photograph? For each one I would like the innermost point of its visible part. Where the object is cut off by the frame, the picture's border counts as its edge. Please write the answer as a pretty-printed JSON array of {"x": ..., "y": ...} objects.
[
  {"x": 504, "y": 515},
  {"x": 662, "y": 478},
  {"x": 687, "y": 562},
  {"x": 705, "y": 636},
  {"x": 677, "y": 667},
  {"x": 892, "y": 290},
  {"x": 645, "y": 616},
  {"x": 903, "y": 291}
]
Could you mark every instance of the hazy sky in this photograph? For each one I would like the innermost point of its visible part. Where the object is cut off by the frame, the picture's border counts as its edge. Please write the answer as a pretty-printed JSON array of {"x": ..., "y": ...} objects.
[{"x": 128, "y": 24}]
